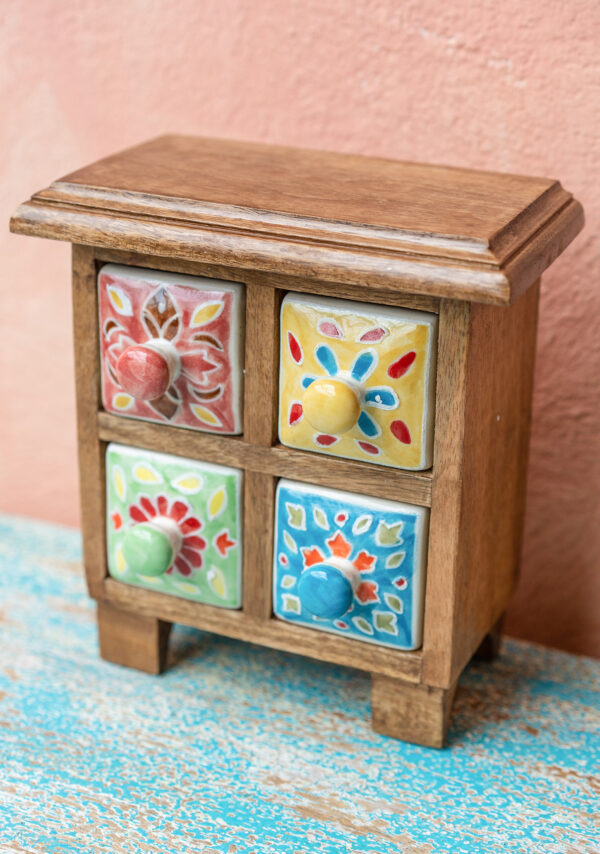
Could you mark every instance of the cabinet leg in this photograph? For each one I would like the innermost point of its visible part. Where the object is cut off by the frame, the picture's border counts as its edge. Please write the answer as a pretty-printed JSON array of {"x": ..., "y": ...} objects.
[
  {"x": 132, "y": 640},
  {"x": 489, "y": 648},
  {"x": 415, "y": 713}
]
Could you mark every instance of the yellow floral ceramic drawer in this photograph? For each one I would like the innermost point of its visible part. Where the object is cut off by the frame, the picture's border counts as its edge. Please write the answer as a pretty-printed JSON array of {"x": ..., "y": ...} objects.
[{"x": 357, "y": 380}]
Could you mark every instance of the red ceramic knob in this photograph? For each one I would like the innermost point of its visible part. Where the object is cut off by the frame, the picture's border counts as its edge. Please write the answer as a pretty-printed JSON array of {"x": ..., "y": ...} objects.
[{"x": 143, "y": 372}]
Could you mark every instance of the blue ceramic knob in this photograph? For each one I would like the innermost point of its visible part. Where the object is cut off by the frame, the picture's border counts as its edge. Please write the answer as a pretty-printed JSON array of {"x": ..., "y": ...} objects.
[{"x": 325, "y": 591}]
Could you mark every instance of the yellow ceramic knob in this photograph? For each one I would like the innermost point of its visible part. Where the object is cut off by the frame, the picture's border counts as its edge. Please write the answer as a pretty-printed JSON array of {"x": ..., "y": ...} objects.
[{"x": 331, "y": 406}]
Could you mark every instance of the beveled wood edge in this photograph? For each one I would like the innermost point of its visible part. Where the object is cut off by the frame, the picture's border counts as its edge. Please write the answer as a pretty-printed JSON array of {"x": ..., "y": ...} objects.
[
  {"x": 281, "y": 281},
  {"x": 272, "y": 223},
  {"x": 278, "y": 460},
  {"x": 389, "y": 271},
  {"x": 272, "y": 632}
]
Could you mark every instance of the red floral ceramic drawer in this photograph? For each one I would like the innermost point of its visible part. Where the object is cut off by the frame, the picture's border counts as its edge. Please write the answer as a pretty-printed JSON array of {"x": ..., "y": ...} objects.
[{"x": 172, "y": 348}]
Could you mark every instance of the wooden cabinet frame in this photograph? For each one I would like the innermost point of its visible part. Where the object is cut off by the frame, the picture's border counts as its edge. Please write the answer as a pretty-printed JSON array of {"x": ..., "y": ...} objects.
[
  {"x": 475, "y": 489},
  {"x": 469, "y": 246}
]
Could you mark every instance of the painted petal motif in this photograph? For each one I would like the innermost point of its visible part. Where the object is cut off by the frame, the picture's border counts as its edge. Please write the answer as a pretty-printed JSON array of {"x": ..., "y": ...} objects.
[
  {"x": 364, "y": 562},
  {"x": 296, "y": 412},
  {"x": 196, "y": 364},
  {"x": 326, "y": 440},
  {"x": 205, "y": 338},
  {"x": 193, "y": 557},
  {"x": 165, "y": 405},
  {"x": 160, "y": 315},
  {"x": 401, "y": 432},
  {"x": 364, "y": 365},
  {"x": 217, "y": 502},
  {"x": 162, "y": 503},
  {"x": 388, "y": 535},
  {"x": 182, "y": 566},
  {"x": 223, "y": 543},
  {"x": 217, "y": 582},
  {"x": 206, "y": 313},
  {"x": 295, "y": 348},
  {"x": 189, "y": 525},
  {"x": 339, "y": 545},
  {"x": 326, "y": 358},
  {"x": 205, "y": 415},
  {"x": 330, "y": 329},
  {"x": 178, "y": 511},
  {"x": 386, "y": 622},
  {"x": 119, "y": 300},
  {"x": 381, "y": 398},
  {"x": 312, "y": 555},
  {"x": 367, "y": 425},
  {"x": 189, "y": 483},
  {"x": 145, "y": 473},
  {"x": 123, "y": 401},
  {"x": 376, "y": 334},
  {"x": 367, "y": 592},
  {"x": 148, "y": 506},
  {"x": 368, "y": 448},
  {"x": 398, "y": 368},
  {"x": 306, "y": 381}
]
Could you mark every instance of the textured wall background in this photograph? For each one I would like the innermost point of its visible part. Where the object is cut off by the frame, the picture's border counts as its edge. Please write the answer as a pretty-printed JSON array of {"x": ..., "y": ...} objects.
[{"x": 508, "y": 86}]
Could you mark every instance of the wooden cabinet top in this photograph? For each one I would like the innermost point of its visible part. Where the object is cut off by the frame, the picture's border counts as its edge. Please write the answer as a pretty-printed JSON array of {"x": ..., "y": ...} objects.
[{"x": 436, "y": 230}]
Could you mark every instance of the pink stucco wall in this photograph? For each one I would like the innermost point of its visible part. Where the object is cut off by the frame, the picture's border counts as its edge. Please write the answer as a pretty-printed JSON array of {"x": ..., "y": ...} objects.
[{"x": 507, "y": 86}]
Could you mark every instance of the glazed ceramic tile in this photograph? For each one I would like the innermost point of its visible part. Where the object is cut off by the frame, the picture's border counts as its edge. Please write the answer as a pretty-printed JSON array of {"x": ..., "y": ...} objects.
[
  {"x": 172, "y": 348},
  {"x": 174, "y": 525},
  {"x": 349, "y": 564},
  {"x": 357, "y": 380}
]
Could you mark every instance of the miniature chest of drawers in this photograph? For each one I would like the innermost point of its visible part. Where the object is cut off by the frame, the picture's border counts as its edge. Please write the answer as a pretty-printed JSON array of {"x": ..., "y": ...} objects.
[{"x": 304, "y": 388}]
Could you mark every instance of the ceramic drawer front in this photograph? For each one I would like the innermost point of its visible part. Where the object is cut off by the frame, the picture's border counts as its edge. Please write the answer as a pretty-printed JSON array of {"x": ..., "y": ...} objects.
[
  {"x": 172, "y": 348},
  {"x": 349, "y": 564},
  {"x": 174, "y": 525},
  {"x": 357, "y": 380}
]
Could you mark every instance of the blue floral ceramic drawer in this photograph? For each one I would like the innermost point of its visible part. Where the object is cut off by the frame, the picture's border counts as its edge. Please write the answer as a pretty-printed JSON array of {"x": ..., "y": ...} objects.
[{"x": 350, "y": 564}]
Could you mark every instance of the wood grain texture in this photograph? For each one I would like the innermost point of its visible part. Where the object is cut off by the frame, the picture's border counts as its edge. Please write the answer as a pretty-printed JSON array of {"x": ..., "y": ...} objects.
[
  {"x": 259, "y": 534},
  {"x": 266, "y": 632},
  {"x": 237, "y": 748},
  {"x": 87, "y": 389},
  {"x": 131, "y": 639},
  {"x": 415, "y": 713},
  {"x": 262, "y": 364},
  {"x": 341, "y": 218},
  {"x": 379, "y": 481},
  {"x": 309, "y": 285},
  {"x": 478, "y": 492},
  {"x": 445, "y": 517}
]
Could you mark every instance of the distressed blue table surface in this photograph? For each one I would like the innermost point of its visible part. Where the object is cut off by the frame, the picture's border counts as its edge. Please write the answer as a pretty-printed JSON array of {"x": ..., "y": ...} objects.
[{"x": 241, "y": 749}]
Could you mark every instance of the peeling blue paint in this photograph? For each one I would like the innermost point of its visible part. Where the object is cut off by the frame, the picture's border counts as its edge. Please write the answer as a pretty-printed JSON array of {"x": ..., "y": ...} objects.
[{"x": 239, "y": 749}]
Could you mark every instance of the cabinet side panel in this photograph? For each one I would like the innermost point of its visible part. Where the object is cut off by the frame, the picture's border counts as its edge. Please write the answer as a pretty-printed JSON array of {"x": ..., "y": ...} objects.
[
  {"x": 445, "y": 517},
  {"x": 87, "y": 388},
  {"x": 479, "y": 485},
  {"x": 498, "y": 416}
]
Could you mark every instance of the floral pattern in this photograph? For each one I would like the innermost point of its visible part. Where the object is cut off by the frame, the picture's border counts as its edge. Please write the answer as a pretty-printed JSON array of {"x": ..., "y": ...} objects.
[
  {"x": 201, "y": 321},
  {"x": 387, "y": 356},
  {"x": 202, "y": 500},
  {"x": 384, "y": 542},
  {"x": 180, "y": 512}
]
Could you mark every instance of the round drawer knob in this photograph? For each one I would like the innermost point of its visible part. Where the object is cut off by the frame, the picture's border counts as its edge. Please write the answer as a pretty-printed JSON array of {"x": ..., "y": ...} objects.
[
  {"x": 331, "y": 406},
  {"x": 151, "y": 547},
  {"x": 325, "y": 591},
  {"x": 146, "y": 371}
]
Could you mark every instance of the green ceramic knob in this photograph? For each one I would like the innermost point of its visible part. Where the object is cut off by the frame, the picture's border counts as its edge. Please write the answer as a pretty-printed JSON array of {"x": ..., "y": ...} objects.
[{"x": 147, "y": 549}]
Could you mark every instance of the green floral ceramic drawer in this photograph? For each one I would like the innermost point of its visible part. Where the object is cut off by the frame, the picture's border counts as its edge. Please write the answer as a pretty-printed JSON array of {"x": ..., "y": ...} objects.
[{"x": 174, "y": 525}]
